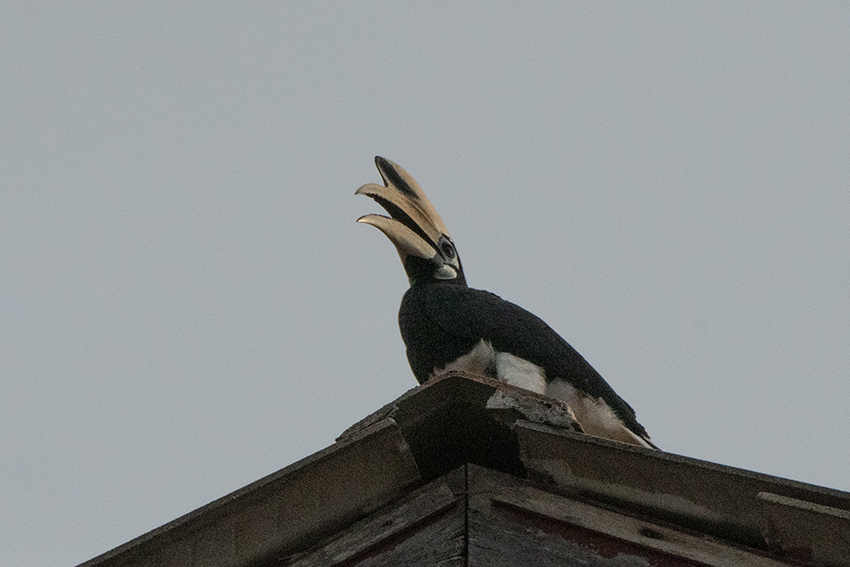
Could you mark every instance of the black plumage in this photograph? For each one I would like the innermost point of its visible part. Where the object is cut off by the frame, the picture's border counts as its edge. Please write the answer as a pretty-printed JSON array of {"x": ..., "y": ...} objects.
[
  {"x": 440, "y": 322},
  {"x": 442, "y": 319}
]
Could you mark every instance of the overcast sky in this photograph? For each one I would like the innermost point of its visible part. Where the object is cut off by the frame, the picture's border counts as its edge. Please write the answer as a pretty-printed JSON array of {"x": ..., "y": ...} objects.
[{"x": 186, "y": 302}]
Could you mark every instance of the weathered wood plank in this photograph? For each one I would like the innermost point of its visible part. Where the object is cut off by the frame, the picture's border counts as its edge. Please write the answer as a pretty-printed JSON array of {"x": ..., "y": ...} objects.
[
  {"x": 425, "y": 528},
  {"x": 511, "y": 521},
  {"x": 496, "y": 540},
  {"x": 285, "y": 511},
  {"x": 438, "y": 543},
  {"x": 714, "y": 499},
  {"x": 810, "y": 533}
]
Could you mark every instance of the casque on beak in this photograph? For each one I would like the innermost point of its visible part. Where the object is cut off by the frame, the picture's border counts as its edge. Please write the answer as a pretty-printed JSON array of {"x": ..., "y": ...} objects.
[{"x": 414, "y": 227}]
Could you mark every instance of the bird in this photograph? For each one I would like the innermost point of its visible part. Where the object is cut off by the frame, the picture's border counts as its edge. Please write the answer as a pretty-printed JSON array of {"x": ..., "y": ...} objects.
[{"x": 447, "y": 325}]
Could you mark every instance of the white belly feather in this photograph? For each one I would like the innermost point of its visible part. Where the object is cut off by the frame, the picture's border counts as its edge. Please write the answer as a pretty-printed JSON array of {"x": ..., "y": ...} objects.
[{"x": 519, "y": 372}]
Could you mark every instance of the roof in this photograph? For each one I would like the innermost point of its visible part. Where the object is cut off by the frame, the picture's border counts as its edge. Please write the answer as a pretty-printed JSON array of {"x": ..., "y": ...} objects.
[{"x": 510, "y": 469}]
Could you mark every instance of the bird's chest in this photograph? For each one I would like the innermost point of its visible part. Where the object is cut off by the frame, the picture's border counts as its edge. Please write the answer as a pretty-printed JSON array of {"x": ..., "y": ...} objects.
[{"x": 429, "y": 345}]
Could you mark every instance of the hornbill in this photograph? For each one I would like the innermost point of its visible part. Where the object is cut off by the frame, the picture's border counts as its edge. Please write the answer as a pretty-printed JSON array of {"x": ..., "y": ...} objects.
[{"x": 446, "y": 325}]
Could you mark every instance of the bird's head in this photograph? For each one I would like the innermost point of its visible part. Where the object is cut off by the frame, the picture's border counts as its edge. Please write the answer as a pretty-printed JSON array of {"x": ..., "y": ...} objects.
[{"x": 414, "y": 227}]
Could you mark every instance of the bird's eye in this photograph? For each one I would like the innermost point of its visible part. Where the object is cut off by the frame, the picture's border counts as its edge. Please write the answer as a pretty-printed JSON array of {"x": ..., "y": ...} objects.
[{"x": 448, "y": 250}]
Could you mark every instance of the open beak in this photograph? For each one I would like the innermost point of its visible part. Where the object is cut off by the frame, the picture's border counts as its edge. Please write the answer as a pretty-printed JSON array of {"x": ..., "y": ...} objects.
[{"x": 414, "y": 226}]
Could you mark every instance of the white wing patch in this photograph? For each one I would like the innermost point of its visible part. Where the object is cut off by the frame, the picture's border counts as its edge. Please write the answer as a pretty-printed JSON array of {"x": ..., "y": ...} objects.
[
  {"x": 505, "y": 367},
  {"x": 519, "y": 372},
  {"x": 480, "y": 360}
]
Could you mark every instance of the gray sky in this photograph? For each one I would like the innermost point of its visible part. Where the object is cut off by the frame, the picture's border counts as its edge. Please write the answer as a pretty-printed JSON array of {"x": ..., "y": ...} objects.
[{"x": 186, "y": 302}]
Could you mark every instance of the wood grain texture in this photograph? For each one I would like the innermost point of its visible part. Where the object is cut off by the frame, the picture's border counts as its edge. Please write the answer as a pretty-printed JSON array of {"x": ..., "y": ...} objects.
[
  {"x": 511, "y": 522},
  {"x": 428, "y": 527}
]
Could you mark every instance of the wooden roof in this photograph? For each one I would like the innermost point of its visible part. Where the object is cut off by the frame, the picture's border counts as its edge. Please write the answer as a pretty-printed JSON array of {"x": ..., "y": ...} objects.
[{"x": 468, "y": 471}]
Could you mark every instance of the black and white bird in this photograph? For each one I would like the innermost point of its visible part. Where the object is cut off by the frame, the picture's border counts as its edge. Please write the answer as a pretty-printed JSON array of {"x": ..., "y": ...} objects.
[{"x": 449, "y": 326}]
